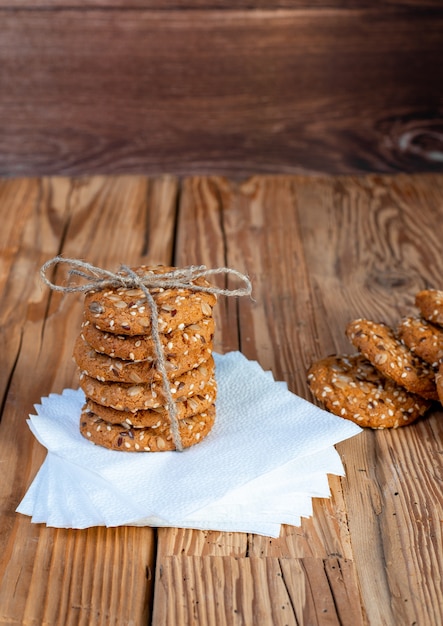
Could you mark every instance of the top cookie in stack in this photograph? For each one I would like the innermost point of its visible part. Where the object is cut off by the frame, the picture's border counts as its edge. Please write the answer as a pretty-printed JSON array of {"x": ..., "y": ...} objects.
[{"x": 125, "y": 400}]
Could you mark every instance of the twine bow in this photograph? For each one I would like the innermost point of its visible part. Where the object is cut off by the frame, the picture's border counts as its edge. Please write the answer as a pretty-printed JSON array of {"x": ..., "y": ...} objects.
[{"x": 97, "y": 279}]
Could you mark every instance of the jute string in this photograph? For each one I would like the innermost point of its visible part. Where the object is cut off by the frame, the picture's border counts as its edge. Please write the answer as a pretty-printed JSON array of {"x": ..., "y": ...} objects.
[{"x": 98, "y": 279}]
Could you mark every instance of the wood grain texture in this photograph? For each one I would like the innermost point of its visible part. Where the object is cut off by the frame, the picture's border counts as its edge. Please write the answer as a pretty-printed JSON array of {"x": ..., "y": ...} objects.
[
  {"x": 225, "y": 223},
  {"x": 226, "y": 591},
  {"x": 320, "y": 251},
  {"x": 381, "y": 242},
  {"x": 67, "y": 576},
  {"x": 218, "y": 4},
  {"x": 342, "y": 90}
]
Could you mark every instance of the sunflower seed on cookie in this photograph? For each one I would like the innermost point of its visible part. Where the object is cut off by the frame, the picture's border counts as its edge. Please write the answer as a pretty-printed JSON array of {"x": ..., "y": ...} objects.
[
  {"x": 383, "y": 348},
  {"x": 351, "y": 387}
]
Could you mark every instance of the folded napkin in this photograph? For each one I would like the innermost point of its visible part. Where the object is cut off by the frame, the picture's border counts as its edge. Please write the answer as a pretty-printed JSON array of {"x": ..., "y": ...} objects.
[{"x": 267, "y": 455}]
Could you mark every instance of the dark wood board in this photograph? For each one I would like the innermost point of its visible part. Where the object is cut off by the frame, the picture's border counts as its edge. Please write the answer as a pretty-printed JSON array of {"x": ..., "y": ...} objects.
[
  {"x": 343, "y": 90},
  {"x": 208, "y": 5}
]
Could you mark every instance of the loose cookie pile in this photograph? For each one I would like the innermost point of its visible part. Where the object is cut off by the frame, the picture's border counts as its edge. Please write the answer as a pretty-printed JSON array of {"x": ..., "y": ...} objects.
[
  {"x": 126, "y": 407},
  {"x": 396, "y": 374}
]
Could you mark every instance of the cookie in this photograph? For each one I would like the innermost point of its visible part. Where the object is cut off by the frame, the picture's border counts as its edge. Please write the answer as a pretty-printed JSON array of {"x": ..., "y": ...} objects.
[
  {"x": 352, "y": 388},
  {"x": 192, "y": 405},
  {"x": 430, "y": 303},
  {"x": 130, "y": 397},
  {"x": 106, "y": 368},
  {"x": 117, "y": 437},
  {"x": 381, "y": 346},
  {"x": 439, "y": 382},
  {"x": 141, "y": 347},
  {"x": 125, "y": 311},
  {"x": 423, "y": 338}
]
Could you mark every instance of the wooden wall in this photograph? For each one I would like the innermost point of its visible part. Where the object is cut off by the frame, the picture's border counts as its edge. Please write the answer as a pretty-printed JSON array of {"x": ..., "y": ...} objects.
[{"x": 228, "y": 86}]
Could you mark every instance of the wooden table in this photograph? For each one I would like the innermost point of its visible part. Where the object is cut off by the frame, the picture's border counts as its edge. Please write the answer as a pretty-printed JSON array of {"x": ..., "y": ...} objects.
[{"x": 320, "y": 252}]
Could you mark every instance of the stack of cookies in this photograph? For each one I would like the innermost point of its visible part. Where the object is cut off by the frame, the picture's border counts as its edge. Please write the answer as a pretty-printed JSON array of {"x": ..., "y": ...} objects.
[
  {"x": 396, "y": 374},
  {"x": 126, "y": 406}
]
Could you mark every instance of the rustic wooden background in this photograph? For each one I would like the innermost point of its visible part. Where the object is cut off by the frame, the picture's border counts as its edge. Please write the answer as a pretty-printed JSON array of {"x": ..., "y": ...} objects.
[
  {"x": 335, "y": 248},
  {"x": 233, "y": 87}
]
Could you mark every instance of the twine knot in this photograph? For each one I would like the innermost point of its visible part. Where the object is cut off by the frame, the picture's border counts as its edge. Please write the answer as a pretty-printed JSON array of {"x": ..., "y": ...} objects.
[{"x": 97, "y": 279}]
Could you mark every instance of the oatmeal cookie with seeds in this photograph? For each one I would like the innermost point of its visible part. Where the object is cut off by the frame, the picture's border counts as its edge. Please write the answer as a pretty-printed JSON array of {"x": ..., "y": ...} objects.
[
  {"x": 423, "y": 338},
  {"x": 125, "y": 311},
  {"x": 439, "y": 382},
  {"x": 141, "y": 347},
  {"x": 430, "y": 303},
  {"x": 117, "y": 437},
  {"x": 382, "y": 347},
  {"x": 352, "y": 388},
  {"x": 105, "y": 368},
  {"x": 133, "y": 397},
  {"x": 192, "y": 405}
]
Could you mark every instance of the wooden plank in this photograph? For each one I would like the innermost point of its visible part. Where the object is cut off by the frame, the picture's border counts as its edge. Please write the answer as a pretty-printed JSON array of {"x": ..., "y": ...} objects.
[
  {"x": 323, "y": 591},
  {"x": 358, "y": 247},
  {"x": 201, "y": 239},
  {"x": 342, "y": 579},
  {"x": 24, "y": 198},
  {"x": 218, "y": 4},
  {"x": 223, "y": 591},
  {"x": 189, "y": 542},
  {"x": 99, "y": 575},
  {"x": 366, "y": 246},
  {"x": 401, "y": 530},
  {"x": 347, "y": 247},
  {"x": 225, "y": 223},
  {"x": 380, "y": 242},
  {"x": 242, "y": 225},
  {"x": 235, "y": 92}
]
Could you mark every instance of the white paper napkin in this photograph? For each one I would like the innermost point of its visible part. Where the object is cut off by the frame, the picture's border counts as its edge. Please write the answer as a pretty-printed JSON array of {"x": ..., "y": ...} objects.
[{"x": 266, "y": 457}]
